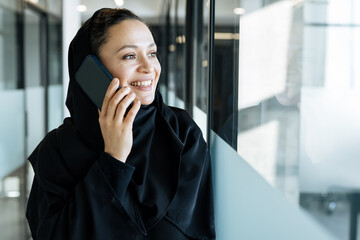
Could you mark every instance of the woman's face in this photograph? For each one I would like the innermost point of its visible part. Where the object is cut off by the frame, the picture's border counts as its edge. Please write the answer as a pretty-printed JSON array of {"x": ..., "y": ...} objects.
[{"x": 129, "y": 53}]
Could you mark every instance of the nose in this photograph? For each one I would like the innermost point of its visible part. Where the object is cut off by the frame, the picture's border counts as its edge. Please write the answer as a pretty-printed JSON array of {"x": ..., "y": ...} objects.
[{"x": 145, "y": 65}]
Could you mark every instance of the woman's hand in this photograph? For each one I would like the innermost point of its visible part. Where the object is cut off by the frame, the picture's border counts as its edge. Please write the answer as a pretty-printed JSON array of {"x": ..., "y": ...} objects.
[{"x": 117, "y": 130}]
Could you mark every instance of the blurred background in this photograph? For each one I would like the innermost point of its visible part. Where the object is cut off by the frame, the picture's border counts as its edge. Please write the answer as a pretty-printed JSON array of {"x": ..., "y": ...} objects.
[{"x": 273, "y": 85}]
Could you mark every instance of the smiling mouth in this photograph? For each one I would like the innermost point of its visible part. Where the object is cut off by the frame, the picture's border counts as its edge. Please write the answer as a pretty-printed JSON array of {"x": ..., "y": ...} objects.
[{"x": 141, "y": 83}]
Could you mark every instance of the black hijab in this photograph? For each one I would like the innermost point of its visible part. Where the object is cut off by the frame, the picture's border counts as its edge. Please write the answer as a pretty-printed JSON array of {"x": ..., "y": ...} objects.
[
  {"x": 168, "y": 179},
  {"x": 153, "y": 184}
]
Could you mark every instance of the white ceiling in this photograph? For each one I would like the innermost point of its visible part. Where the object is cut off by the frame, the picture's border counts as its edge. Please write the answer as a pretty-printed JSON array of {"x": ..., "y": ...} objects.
[{"x": 149, "y": 10}]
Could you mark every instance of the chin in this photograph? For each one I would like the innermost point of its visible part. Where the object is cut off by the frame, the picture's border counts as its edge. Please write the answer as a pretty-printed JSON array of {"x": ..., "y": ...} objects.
[{"x": 147, "y": 100}]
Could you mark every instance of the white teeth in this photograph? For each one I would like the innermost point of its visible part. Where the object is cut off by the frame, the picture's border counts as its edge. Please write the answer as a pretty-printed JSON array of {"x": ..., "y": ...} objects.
[{"x": 141, "y": 84}]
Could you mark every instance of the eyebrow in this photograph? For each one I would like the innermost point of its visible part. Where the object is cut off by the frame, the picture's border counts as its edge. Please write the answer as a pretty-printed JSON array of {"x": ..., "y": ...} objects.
[{"x": 133, "y": 46}]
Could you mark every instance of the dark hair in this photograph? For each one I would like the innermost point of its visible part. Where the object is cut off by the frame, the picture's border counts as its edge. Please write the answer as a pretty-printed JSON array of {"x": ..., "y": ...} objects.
[{"x": 103, "y": 20}]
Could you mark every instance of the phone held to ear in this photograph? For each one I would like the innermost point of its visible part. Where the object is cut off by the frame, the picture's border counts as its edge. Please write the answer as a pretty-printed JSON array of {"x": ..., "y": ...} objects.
[{"x": 94, "y": 79}]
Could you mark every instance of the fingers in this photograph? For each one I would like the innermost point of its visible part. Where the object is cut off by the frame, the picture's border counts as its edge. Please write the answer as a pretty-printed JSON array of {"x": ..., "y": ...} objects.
[
  {"x": 109, "y": 94},
  {"x": 132, "y": 113},
  {"x": 118, "y": 100},
  {"x": 123, "y": 105}
]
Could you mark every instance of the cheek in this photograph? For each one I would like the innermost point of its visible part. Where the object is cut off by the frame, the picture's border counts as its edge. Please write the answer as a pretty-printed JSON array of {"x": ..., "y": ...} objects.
[
  {"x": 122, "y": 73},
  {"x": 157, "y": 68}
]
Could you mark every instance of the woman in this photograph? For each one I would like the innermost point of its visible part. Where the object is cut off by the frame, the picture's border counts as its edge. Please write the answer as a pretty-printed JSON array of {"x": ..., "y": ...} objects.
[{"x": 138, "y": 171}]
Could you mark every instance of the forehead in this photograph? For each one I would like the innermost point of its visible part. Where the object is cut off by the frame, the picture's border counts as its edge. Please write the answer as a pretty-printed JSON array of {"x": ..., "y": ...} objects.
[{"x": 129, "y": 32}]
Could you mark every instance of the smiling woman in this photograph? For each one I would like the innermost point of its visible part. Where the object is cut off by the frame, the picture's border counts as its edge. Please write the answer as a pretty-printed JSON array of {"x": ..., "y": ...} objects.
[
  {"x": 125, "y": 172},
  {"x": 130, "y": 55}
]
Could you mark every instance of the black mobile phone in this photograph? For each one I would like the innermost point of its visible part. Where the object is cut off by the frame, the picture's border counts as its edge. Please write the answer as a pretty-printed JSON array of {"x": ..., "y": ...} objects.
[{"x": 94, "y": 79}]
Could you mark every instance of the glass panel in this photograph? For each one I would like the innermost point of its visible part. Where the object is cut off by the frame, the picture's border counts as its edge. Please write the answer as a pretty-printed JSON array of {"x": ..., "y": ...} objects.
[
  {"x": 34, "y": 88},
  {"x": 9, "y": 50},
  {"x": 201, "y": 82},
  {"x": 11, "y": 5},
  {"x": 176, "y": 58},
  {"x": 35, "y": 92},
  {"x": 269, "y": 89},
  {"x": 55, "y": 7},
  {"x": 243, "y": 200},
  {"x": 201, "y": 71},
  {"x": 41, "y": 3},
  {"x": 171, "y": 49},
  {"x": 55, "y": 89},
  {"x": 177, "y": 63},
  {"x": 225, "y": 72},
  {"x": 11, "y": 130},
  {"x": 180, "y": 42},
  {"x": 296, "y": 111},
  {"x": 159, "y": 31},
  {"x": 12, "y": 127}
]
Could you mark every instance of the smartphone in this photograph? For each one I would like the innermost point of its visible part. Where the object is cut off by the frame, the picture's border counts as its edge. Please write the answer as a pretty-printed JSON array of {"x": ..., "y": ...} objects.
[{"x": 94, "y": 79}]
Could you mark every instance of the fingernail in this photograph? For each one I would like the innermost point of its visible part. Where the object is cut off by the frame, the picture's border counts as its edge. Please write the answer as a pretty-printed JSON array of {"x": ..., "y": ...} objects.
[{"x": 114, "y": 81}]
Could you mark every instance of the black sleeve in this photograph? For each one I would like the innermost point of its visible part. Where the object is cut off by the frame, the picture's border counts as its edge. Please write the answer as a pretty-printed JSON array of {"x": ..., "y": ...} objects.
[
  {"x": 193, "y": 208},
  {"x": 195, "y": 196},
  {"x": 62, "y": 207}
]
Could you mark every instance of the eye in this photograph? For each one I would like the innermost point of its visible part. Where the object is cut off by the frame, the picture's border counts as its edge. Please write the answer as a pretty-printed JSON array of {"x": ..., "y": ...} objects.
[
  {"x": 153, "y": 54},
  {"x": 129, "y": 56}
]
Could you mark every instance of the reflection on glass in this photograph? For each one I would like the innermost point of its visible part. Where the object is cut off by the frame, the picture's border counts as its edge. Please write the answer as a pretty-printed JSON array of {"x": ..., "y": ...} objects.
[
  {"x": 201, "y": 79},
  {"x": 226, "y": 68},
  {"x": 174, "y": 46},
  {"x": 179, "y": 55},
  {"x": 185, "y": 76},
  {"x": 201, "y": 69},
  {"x": 297, "y": 112},
  {"x": 269, "y": 90}
]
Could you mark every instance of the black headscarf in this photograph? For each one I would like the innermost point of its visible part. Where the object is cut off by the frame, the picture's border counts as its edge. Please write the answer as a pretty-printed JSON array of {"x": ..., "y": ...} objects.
[{"x": 170, "y": 175}]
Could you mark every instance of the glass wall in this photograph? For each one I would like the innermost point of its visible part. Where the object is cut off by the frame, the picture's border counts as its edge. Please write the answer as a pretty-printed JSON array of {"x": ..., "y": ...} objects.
[
  {"x": 175, "y": 41},
  {"x": 184, "y": 57},
  {"x": 285, "y": 93},
  {"x": 225, "y": 82},
  {"x": 34, "y": 84},
  {"x": 30, "y": 99},
  {"x": 200, "y": 64},
  {"x": 55, "y": 7},
  {"x": 55, "y": 88},
  {"x": 286, "y": 96},
  {"x": 12, "y": 124}
]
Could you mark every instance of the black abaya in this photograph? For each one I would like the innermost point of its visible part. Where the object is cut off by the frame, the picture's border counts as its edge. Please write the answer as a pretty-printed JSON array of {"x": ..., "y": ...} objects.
[{"x": 163, "y": 191}]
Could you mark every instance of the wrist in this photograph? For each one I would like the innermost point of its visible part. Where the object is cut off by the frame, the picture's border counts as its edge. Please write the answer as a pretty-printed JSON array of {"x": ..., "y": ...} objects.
[{"x": 116, "y": 156}]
